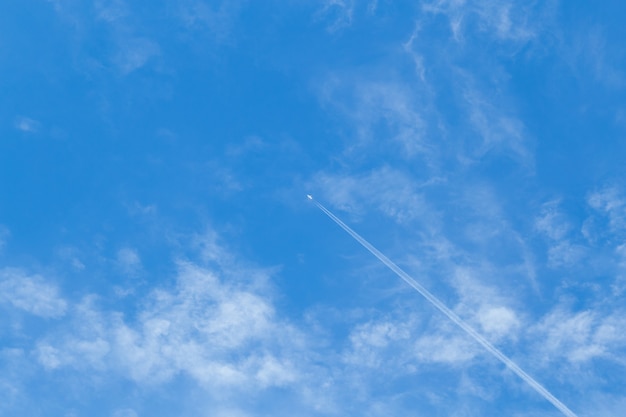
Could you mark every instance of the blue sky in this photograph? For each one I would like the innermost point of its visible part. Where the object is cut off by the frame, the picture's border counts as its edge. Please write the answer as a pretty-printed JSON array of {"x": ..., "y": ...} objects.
[{"x": 158, "y": 255}]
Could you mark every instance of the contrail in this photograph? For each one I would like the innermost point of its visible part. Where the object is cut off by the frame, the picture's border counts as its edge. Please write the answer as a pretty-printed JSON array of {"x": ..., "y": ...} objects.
[{"x": 450, "y": 314}]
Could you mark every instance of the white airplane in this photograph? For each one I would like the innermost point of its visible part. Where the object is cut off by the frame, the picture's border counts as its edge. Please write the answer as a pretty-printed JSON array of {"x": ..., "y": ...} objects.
[{"x": 309, "y": 196}]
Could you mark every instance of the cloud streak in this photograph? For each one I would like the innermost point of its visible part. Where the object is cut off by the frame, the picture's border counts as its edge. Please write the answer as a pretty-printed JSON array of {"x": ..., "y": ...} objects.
[{"x": 451, "y": 315}]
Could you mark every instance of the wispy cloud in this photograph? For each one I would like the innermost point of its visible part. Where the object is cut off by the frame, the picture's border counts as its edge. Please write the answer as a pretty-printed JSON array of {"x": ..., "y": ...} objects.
[
  {"x": 401, "y": 116},
  {"x": 390, "y": 191},
  {"x": 400, "y": 345},
  {"x": 506, "y": 21},
  {"x": 385, "y": 114},
  {"x": 580, "y": 336},
  {"x": 498, "y": 129},
  {"x": 30, "y": 293},
  {"x": 378, "y": 343},
  {"x": 339, "y": 13}
]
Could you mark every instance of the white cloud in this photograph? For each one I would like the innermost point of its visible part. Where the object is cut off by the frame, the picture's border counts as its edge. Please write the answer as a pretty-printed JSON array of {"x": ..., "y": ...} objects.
[
  {"x": 399, "y": 345},
  {"x": 30, "y": 293},
  {"x": 221, "y": 334},
  {"x": 484, "y": 307},
  {"x": 375, "y": 344},
  {"x": 497, "y": 320},
  {"x": 48, "y": 356},
  {"x": 580, "y": 336}
]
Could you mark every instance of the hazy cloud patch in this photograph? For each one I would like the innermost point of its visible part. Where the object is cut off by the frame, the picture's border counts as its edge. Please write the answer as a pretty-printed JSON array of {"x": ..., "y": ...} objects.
[
  {"x": 134, "y": 53},
  {"x": 30, "y": 293},
  {"x": 27, "y": 125},
  {"x": 580, "y": 336},
  {"x": 128, "y": 261},
  {"x": 222, "y": 335}
]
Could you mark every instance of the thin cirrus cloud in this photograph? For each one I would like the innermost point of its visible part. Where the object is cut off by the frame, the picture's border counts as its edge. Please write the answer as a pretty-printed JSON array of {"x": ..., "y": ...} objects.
[
  {"x": 506, "y": 21},
  {"x": 386, "y": 189},
  {"x": 337, "y": 14},
  {"x": 379, "y": 108}
]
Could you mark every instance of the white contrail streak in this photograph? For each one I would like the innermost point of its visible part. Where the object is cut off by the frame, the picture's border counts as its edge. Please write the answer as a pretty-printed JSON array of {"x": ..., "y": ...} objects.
[{"x": 450, "y": 314}]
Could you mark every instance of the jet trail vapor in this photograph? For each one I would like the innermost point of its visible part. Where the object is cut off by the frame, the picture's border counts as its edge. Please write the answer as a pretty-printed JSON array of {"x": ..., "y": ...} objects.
[{"x": 450, "y": 314}]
